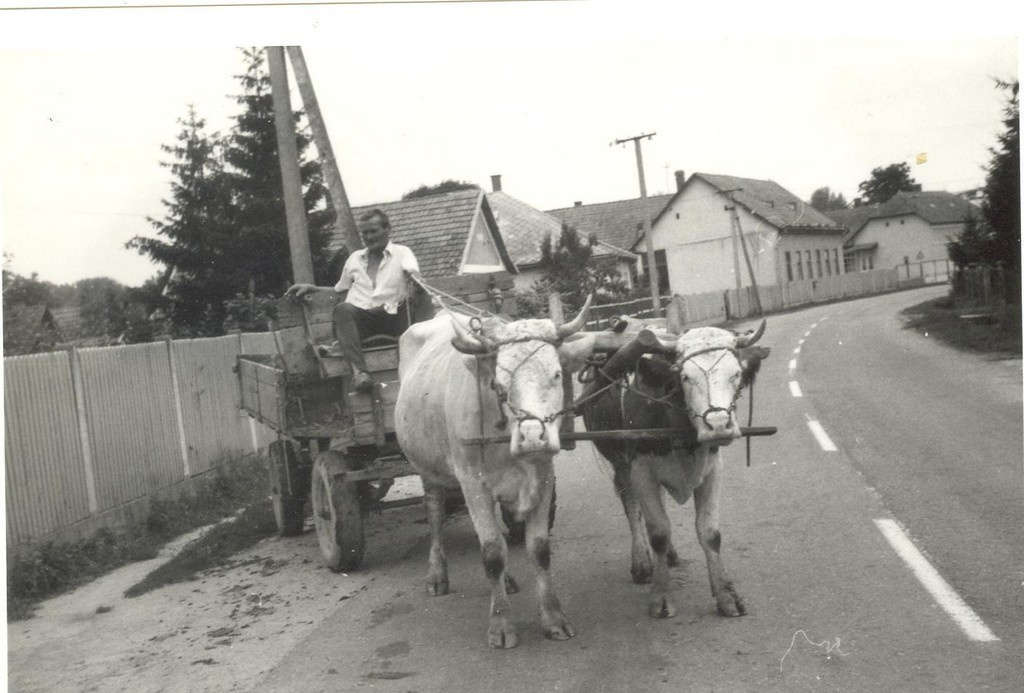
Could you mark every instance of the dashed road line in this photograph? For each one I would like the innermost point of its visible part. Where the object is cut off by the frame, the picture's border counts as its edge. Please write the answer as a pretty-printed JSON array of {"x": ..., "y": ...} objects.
[
  {"x": 792, "y": 365},
  {"x": 951, "y": 602},
  {"x": 794, "y": 389},
  {"x": 819, "y": 434}
]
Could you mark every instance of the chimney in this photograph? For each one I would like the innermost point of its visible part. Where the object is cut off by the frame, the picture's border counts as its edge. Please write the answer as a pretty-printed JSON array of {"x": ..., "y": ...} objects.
[
  {"x": 577, "y": 203},
  {"x": 680, "y": 179},
  {"x": 496, "y": 183}
]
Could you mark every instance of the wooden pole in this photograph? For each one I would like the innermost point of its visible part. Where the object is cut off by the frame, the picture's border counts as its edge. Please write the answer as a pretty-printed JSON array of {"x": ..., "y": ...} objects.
[
  {"x": 746, "y": 257},
  {"x": 291, "y": 179},
  {"x": 649, "y": 242},
  {"x": 339, "y": 198}
]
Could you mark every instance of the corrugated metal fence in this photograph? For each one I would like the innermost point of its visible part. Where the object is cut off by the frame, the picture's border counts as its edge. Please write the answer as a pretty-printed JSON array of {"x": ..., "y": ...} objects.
[{"x": 90, "y": 430}]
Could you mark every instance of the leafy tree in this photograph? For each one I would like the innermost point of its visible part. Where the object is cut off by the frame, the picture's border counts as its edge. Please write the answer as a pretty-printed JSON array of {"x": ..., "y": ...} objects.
[
  {"x": 571, "y": 270},
  {"x": 101, "y": 304},
  {"x": 824, "y": 200},
  {"x": 442, "y": 187},
  {"x": 886, "y": 182}
]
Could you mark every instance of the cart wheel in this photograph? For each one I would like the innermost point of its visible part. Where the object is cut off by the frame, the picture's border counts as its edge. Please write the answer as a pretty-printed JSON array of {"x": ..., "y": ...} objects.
[
  {"x": 288, "y": 499},
  {"x": 337, "y": 513},
  {"x": 517, "y": 530}
]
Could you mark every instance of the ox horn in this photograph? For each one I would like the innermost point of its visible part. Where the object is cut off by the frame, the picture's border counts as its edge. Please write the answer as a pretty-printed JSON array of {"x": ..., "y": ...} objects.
[
  {"x": 745, "y": 340},
  {"x": 465, "y": 341},
  {"x": 578, "y": 322}
]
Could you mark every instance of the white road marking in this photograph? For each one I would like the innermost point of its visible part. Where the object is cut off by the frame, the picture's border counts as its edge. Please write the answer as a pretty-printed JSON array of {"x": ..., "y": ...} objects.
[
  {"x": 962, "y": 614},
  {"x": 797, "y": 350},
  {"x": 819, "y": 434},
  {"x": 807, "y": 334},
  {"x": 792, "y": 365},
  {"x": 801, "y": 342},
  {"x": 794, "y": 389}
]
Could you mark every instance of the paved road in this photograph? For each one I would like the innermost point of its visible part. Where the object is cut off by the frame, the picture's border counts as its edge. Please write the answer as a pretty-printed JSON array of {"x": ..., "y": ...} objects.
[{"x": 923, "y": 436}]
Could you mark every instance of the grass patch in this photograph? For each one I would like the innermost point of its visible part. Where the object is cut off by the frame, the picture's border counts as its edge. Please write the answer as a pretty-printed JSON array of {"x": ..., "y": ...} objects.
[
  {"x": 46, "y": 570},
  {"x": 212, "y": 549},
  {"x": 997, "y": 334}
]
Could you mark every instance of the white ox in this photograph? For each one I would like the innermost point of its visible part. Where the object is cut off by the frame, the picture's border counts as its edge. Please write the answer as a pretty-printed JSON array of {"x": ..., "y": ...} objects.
[
  {"x": 695, "y": 391},
  {"x": 500, "y": 378}
]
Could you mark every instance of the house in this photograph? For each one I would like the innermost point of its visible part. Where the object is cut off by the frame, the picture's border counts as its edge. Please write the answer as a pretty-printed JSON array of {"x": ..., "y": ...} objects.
[
  {"x": 524, "y": 229},
  {"x": 786, "y": 239},
  {"x": 451, "y": 233},
  {"x": 910, "y": 232},
  {"x": 29, "y": 330},
  {"x": 617, "y": 226}
]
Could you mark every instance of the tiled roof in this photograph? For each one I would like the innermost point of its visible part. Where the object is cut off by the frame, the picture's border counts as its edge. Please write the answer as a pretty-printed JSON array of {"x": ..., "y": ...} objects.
[
  {"x": 770, "y": 201},
  {"x": 935, "y": 207},
  {"x": 618, "y": 223},
  {"x": 522, "y": 227},
  {"x": 852, "y": 218},
  {"x": 436, "y": 228}
]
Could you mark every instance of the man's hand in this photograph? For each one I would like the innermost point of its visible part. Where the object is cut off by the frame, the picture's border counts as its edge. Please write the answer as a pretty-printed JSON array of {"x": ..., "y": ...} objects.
[{"x": 300, "y": 290}]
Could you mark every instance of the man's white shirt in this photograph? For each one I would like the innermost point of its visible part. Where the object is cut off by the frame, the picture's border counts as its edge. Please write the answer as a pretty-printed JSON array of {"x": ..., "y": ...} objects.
[{"x": 389, "y": 289}]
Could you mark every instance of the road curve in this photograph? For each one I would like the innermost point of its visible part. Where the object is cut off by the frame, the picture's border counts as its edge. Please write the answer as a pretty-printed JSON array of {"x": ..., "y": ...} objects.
[{"x": 832, "y": 605}]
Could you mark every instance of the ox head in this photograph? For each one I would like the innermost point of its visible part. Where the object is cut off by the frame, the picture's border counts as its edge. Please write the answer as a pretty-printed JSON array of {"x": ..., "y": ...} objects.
[
  {"x": 525, "y": 362},
  {"x": 713, "y": 366}
]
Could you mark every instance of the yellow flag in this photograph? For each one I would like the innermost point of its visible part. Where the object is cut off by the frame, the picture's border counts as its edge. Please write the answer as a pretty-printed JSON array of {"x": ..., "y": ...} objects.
[{"x": 922, "y": 158}]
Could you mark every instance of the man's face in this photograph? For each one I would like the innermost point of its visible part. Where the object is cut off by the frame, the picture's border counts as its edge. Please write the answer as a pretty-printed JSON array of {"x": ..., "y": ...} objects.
[{"x": 375, "y": 235}]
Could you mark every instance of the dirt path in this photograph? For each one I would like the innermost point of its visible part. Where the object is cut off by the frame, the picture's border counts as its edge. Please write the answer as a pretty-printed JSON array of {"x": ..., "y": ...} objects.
[{"x": 221, "y": 632}]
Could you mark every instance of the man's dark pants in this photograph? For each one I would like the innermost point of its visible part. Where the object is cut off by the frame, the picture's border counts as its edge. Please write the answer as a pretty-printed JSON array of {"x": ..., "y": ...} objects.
[{"x": 353, "y": 324}]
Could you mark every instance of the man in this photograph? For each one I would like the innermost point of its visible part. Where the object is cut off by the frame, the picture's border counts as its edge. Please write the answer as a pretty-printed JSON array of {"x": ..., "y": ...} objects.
[{"x": 373, "y": 286}]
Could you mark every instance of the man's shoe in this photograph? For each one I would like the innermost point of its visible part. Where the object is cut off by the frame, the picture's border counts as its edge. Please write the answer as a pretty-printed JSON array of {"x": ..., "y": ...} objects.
[{"x": 362, "y": 382}]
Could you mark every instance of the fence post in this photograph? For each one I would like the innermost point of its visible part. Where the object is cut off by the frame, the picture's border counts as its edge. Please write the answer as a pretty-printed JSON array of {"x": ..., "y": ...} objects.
[
  {"x": 178, "y": 410},
  {"x": 83, "y": 430}
]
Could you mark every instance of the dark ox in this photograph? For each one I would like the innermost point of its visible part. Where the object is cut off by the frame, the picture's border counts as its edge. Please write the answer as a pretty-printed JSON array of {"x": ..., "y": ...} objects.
[
  {"x": 692, "y": 387},
  {"x": 502, "y": 378}
]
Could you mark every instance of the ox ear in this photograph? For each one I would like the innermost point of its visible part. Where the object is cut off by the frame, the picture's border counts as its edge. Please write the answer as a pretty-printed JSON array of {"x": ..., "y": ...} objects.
[
  {"x": 575, "y": 350},
  {"x": 655, "y": 372},
  {"x": 750, "y": 362}
]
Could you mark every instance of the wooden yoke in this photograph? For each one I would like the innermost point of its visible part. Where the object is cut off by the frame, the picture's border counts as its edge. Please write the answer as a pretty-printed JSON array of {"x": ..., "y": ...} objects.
[{"x": 623, "y": 360}]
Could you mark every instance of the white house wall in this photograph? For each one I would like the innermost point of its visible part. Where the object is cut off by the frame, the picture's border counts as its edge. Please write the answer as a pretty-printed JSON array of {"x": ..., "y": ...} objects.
[
  {"x": 696, "y": 234},
  {"x": 810, "y": 256},
  {"x": 907, "y": 237},
  {"x": 481, "y": 255}
]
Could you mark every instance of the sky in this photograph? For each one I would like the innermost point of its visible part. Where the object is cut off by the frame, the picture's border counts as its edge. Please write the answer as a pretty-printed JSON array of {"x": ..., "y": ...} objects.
[{"x": 413, "y": 94}]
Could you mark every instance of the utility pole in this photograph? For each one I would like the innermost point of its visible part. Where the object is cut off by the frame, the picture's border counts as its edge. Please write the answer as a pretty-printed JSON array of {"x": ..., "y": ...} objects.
[
  {"x": 339, "y": 199},
  {"x": 734, "y": 221},
  {"x": 652, "y": 267},
  {"x": 291, "y": 179}
]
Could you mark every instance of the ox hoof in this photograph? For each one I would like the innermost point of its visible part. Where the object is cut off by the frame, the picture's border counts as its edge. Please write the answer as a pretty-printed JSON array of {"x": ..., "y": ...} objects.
[
  {"x": 558, "y": 628},
  {"x": 437, "y": 586},
  {"x": 502, "y": 636},
  {"x": 731, "y": 604},
  {"x": 661, "y": 608},
  {"x": 511, "y": 586}
]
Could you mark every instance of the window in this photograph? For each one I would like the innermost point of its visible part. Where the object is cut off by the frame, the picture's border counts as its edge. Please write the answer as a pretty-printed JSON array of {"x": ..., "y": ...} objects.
[
  {"x": 817, "y": 260},
  {"x": 799, "y": 265},
  {"x": 810, "y": 272},
  {"x": 835, "y": 255},
  {"x": 828, "y": 265},
  {"x": 789, "y": 267},
  {"x": 871, "y": 262}
]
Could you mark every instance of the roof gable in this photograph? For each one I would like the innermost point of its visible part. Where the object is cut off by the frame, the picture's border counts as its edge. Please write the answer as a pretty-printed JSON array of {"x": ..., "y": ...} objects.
[
  {"x": 618, "y": 224},
  {"x": 522, "y": 227},
  {"x": 437, "y": 228}
]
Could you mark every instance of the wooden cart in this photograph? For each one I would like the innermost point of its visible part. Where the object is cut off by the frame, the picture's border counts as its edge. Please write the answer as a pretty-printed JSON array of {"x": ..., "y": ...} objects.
[{"x": 336, "y": 447}]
